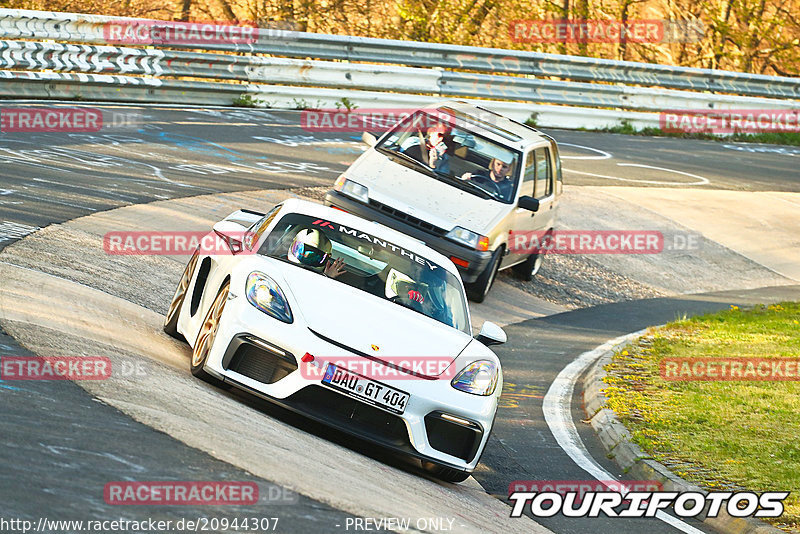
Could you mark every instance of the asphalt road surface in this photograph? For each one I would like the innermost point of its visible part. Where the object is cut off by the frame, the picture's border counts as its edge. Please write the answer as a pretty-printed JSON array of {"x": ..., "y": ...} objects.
[{"x": 59, "y": 442}]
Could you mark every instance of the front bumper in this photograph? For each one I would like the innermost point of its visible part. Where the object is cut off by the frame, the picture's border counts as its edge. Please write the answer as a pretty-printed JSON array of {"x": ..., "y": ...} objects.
[
  {"x": 477, "y": 260},
  {"x": 261, "y": 355}
]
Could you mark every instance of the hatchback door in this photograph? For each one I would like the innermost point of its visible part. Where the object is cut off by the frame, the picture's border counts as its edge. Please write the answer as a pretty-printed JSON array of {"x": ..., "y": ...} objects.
[{"x": 537, "y": 182}]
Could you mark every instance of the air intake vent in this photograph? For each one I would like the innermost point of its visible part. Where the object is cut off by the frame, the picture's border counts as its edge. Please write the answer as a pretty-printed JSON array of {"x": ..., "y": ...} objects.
[
  {"x": 255, "y": 359},
  {"x": 406, "y": 218}
]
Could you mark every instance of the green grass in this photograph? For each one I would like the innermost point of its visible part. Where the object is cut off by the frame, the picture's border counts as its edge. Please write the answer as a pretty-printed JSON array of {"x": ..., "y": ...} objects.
[
  {"x": 721, "y": 435},
  {"x": 774, "y": 138},
  {"x": 247, "y": 101}
]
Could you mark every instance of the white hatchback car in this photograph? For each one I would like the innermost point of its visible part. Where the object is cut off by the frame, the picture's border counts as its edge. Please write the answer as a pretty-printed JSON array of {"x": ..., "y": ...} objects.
[
  {"x": 377, "y": 343},
  {"x": 459, "y": 204}
]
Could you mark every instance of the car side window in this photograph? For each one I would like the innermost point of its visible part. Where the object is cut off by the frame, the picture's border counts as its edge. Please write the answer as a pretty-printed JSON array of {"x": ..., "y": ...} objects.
[
  {"x": 559, "y": 180},
  {"x": 529, "y": 177},
  {"x": 544, "y": 182},
  {"x": 257, "y": 230}
]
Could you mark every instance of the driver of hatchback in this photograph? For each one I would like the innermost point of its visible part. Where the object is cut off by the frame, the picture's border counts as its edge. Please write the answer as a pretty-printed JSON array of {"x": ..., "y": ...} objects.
[
  {"x": 498, "y": 173},
  {"x": 312, "y": 248}
]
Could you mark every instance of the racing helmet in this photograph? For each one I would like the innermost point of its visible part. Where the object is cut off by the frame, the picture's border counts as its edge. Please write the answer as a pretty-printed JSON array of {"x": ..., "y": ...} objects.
[{"x": 310, "y": 247}]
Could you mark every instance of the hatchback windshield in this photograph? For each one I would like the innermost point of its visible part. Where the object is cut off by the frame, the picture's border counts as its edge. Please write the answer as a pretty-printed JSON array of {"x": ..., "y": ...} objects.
[
  {"x": 455, "y": 155},
  {"x": 370, "y": 264}
]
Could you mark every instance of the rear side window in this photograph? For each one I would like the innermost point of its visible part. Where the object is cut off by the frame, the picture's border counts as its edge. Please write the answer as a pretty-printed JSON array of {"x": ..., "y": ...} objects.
[
  {"x": 529, "y": 177},
  {"x": 544, "y": 182},
  {"x": 559, "y": 180}
]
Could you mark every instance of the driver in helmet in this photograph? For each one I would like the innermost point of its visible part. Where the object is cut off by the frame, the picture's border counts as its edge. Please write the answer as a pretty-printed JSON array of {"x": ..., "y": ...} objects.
[
  {"x": 312, "y": 248},
  {"x": 498, "y": 173}
]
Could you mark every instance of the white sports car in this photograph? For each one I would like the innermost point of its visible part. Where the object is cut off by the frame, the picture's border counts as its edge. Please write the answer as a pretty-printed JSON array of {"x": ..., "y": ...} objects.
[{"x": 348, "y": 322}]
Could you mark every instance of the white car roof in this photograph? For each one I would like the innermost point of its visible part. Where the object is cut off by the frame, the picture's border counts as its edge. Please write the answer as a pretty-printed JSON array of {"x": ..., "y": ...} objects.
[
  {"x": 494, "y": 126},
  {"x": 373, "y": 228}
]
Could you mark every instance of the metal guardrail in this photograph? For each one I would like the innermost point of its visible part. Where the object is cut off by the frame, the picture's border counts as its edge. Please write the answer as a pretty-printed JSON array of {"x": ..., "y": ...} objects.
[
  {"x": 160, "y": 63},
  {"x": 21, "y": 24},
  {"x": 219, "y": 72}
]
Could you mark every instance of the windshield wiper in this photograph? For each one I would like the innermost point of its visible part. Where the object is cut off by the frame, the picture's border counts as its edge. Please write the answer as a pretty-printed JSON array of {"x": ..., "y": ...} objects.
[
  {"x": 433, "y": 173},
  {"x": 468, "y": 184},
  {"x": 406, "y": 158}
]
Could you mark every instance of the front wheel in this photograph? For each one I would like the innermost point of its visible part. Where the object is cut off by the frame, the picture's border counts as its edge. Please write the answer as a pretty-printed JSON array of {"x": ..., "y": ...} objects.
[
  {"x": 528, "y": 268},
  {"x": 477, "y": 290},
  {"x": 207, "y": 335},
  {"x": 447, "y": 474},
  {"x": 174, "y": 311}
]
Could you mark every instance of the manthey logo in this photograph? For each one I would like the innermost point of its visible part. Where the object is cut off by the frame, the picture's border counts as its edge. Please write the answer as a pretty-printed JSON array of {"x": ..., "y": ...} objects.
[
  {"x": 323, "y": 224},
  {"x": 374, "y": 347}
]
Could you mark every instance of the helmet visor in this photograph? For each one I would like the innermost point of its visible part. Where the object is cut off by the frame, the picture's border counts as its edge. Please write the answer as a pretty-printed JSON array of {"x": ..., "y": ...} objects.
[{"x": 308, "y": 255}]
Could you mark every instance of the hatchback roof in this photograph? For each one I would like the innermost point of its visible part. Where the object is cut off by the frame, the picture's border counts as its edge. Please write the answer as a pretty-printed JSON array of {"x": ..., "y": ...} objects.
[{"x": 490, "y": 124}]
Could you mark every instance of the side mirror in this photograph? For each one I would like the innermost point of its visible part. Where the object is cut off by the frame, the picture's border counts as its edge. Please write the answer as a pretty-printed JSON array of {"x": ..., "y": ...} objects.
[
  {"x": 491, "y": 334},
  {"x": 230, "y": 232},
  {"x": 369, "y": 139},
  {"x": 528, "y": 203}
]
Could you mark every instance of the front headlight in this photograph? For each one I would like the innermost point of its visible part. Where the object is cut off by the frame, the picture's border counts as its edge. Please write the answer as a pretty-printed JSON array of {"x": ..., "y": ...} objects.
[
  {"x": 263, "y": 293},
  {"x": 471, "y": 239},
  {"x": 478, "y": 378},
  {"x": 352, "y": 189}
]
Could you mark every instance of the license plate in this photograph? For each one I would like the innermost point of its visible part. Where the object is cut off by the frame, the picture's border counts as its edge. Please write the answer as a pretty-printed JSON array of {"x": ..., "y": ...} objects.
[{"x": 364, "y": 389}]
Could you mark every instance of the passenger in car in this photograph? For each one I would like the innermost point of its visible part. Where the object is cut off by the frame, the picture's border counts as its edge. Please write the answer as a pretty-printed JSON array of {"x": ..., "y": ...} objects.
[
  {"x": 438, "y": 157},
  {"x": 497, "y": 177}
]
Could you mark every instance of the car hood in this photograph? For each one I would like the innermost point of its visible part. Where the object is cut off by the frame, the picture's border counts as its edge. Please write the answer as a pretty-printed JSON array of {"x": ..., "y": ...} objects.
[
  {"x": 426, "y": 198},
  {"x": 358, "y": 320}
]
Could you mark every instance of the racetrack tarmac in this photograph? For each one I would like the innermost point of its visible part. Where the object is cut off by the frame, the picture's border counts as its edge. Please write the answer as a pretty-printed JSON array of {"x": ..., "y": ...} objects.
[{"x": 71, "y": 441}]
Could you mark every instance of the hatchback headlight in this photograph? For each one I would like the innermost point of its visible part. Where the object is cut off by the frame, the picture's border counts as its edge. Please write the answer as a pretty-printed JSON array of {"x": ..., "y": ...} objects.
[
  {"x": 263, "y": 293},
  {"x": 478, "y": 378},
  {"x": 471, "y": 239},
  {"x": 352, "y": 189}
]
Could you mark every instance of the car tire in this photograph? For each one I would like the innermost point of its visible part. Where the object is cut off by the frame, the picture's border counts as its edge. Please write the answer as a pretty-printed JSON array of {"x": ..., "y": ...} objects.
[
  {"x": 207, "y": 335},
  {"x": 174, "y": 311},
  {"x": 448, "y": 474},
  {"x": 477, "y": 290},
  {"x": 528, "y": 268}
]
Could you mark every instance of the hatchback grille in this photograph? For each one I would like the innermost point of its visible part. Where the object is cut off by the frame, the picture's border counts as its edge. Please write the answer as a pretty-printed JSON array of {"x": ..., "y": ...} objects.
[{"x": 409, "y": 219}]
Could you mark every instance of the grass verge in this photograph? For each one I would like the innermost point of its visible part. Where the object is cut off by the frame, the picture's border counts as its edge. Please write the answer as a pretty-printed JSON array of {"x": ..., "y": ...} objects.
[
  {"x": 773, "y": 138},
  {"x": 721, "y": 435}
]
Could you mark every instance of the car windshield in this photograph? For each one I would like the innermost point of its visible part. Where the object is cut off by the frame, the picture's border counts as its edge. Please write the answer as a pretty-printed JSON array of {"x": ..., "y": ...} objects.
[
  {"x": 370, "y": 264},
  {"x": 455, "y": 155}
]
